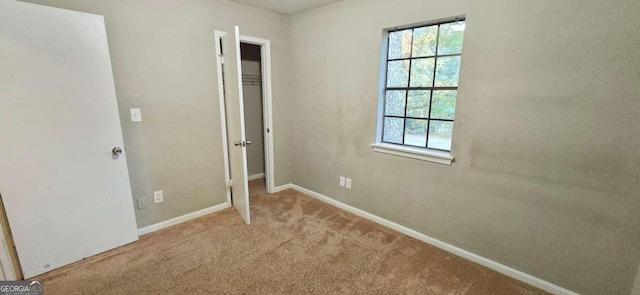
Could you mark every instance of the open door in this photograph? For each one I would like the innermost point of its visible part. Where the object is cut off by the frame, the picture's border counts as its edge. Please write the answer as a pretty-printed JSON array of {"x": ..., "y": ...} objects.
[
  {"x": 63, "y": 172},
  {"x": 235, "y": 122}
]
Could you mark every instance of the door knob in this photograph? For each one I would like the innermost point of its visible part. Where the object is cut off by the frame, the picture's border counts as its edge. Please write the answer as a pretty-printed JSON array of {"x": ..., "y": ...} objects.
[
  {"x": 116, "y": 151},
  {"x": 241, "y": 143}
]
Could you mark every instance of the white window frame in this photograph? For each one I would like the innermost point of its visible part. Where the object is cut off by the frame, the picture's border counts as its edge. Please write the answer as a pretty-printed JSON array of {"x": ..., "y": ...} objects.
[{"x": 408, "y": 151}]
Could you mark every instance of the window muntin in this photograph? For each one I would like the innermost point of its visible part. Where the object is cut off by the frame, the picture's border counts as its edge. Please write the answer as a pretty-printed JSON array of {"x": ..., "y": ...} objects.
[{"x": 421, "y": 87}]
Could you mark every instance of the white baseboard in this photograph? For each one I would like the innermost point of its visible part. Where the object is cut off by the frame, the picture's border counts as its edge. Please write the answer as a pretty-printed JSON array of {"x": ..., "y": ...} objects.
[
  {"x": 180, "y": 219},
  {"x": 282, "y": 187},
  {"x": 255, "y": 176},
  {"x": 501, "y": 268}
]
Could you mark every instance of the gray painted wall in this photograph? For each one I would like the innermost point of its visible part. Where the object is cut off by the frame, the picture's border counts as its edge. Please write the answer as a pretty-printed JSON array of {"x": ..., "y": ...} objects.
[
  {"x": 163, "y": 58},
  {"x": 546, "y": 139},
  {"x": 636, "y": 285}
]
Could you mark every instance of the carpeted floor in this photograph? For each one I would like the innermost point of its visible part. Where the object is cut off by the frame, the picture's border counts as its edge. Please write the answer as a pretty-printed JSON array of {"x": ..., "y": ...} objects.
[{"x": 295, "y": 245}]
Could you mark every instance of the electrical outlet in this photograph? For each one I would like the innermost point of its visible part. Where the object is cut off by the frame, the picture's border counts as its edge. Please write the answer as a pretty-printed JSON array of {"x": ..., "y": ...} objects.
[
  {"x": 158, "y": 197},
  {"x": 342, "y": 181},
  {"x": 143, "y": 203},
  {"x": 348, "y": 183}
]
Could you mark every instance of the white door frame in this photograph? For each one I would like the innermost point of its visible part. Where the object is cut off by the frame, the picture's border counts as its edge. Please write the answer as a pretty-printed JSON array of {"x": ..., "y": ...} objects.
[
  {"x": 9, "y": 263},
  {"x": 267, "y": 114}
]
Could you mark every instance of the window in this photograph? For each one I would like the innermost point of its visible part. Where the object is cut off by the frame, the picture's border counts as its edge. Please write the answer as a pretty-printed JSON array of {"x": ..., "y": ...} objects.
[{"x": 421, "y": 86}]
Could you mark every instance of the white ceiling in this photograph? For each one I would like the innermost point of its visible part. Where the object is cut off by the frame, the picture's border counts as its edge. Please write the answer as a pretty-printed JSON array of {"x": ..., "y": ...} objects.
[{"x": 286, "y": 6}]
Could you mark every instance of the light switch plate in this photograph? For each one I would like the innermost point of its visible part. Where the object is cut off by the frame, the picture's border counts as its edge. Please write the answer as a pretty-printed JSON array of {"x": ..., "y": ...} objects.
[
  {"x": 136, "y": 115},
  {"x": 348, "y": 183},
  {"x": 342, "y": 181},
  {"x": 158, "y": 197}
]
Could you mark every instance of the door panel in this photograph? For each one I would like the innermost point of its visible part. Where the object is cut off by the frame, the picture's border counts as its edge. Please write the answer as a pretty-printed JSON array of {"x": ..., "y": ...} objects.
[
  {"x": 67, "y": 196},
  {"x": 235, "y": 122}
]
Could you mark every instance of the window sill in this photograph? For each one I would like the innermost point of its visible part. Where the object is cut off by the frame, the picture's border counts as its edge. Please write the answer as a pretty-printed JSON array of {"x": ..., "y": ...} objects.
[{"x": 440, "y": 157}]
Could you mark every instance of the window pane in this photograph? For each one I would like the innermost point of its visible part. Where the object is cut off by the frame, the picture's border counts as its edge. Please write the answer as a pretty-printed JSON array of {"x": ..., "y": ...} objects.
[
  {"x": 440, "y": 135},
  {"x": 444, "y": 104},
  {"x": 422, "y": 72},
  {"x": 393, "y": 130},
  {"x": 398, "y": 73},
  {"x": 450, "y": 40},
  {"x": 399, "y": 44},
  {"x": 424, "y": 41},
  {"x": 416, "y": 132},
  {"x": 394, "y": 103},
  {"x": 447, "y": 71},
  {"x": 418, "y": 103}
]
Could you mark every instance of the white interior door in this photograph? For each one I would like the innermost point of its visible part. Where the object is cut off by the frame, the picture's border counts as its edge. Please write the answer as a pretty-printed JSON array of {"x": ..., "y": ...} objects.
[
  {"x": 235, "y": 123},
  {"x": 67, "y": 196}
]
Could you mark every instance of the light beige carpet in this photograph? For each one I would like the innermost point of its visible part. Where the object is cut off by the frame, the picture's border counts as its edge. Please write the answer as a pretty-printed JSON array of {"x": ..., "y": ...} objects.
[{"x": 295, "y": 245}]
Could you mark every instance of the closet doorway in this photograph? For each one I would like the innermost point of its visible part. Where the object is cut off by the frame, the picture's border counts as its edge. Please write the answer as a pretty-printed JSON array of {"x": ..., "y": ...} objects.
[
  {"x": 251, "y": 64},
  {"x": 256, "y": 126}
]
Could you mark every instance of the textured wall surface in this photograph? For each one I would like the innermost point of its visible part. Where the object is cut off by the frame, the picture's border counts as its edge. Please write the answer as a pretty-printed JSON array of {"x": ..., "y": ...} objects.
[
  {"x": 546, "y": 139},
  {"x": 163, "y": 59},
  {"x": 636, "y": 285}
]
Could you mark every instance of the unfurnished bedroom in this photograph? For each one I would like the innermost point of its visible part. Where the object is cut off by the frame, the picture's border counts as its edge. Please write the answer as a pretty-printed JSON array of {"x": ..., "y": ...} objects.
[{"x": 319, "y": 147}]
